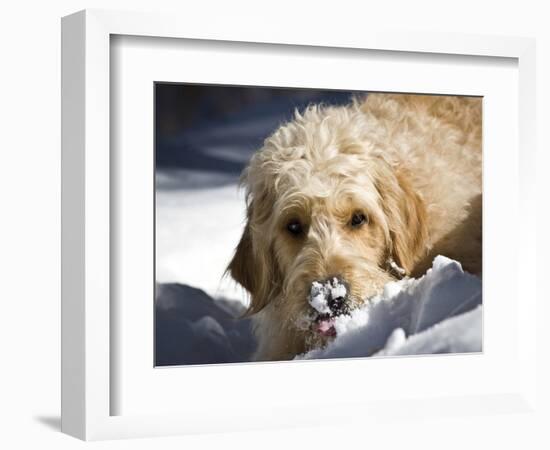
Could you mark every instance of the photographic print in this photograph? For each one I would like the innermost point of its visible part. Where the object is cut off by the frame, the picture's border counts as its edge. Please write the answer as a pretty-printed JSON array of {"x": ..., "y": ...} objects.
[{"x": 300, "y": 224}]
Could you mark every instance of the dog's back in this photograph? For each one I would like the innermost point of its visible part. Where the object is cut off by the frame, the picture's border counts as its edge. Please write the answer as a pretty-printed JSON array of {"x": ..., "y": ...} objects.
[{"x": 438, "y": 140}]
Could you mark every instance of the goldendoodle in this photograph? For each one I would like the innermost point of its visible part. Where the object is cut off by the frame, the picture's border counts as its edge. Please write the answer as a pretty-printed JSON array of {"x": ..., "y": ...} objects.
[{"x": 344, "y": 199}]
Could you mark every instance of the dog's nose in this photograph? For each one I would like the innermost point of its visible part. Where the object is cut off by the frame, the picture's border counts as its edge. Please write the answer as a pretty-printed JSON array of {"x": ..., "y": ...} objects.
[
  {"x": 329, "y": 296},
  {"x": 336, "y": 303}
]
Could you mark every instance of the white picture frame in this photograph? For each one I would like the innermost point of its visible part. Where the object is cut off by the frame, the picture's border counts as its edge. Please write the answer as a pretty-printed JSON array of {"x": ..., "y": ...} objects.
[{"x": 87, "y": 328}]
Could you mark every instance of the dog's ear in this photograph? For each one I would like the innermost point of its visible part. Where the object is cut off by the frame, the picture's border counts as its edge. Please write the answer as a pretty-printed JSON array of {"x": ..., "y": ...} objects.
[
  {"x": 407, "y": 222},
  {"x": 242, "y": 265},
  {"x": 253, "y": 267}
]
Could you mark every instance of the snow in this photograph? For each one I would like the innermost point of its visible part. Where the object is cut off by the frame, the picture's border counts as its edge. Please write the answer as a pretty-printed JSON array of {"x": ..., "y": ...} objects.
[
  {"x": 318, "y": 298},
  {"x": 440, "y": 312},
  {"x": 191, "y": 246},
  {"x": 396, "y": 340},
  {"x": 347, "y": 323},
  {"x": 459, "y": 334},
  {"x": 338, "y": 289},
  {"x": 193, "y": 328},
  {"x": 321, "y": 293}
]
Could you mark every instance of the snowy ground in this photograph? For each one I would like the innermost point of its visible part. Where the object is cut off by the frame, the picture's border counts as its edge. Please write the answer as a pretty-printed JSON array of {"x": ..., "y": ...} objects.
[
  {"x": 192, "y": 246},
  {"x": 440, "y": 312},
  {"x": 193, "y": 328},
  {"x": 196, "y": 306}
]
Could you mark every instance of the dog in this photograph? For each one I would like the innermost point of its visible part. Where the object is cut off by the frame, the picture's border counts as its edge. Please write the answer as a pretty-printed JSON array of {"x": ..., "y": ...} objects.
[{"x": 343, "y": 199}]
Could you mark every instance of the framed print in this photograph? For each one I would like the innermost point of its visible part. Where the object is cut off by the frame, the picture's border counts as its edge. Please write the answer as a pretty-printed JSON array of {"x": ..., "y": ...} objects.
[{"x": 375, "y": 171}]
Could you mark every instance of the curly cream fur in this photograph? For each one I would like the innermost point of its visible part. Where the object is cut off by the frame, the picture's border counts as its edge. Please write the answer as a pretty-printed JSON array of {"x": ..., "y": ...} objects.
[{"x": 411, "y": 163}]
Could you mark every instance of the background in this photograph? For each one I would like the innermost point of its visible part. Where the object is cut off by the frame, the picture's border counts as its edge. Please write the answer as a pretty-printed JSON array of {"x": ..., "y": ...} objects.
[{"x": 30, "y": 196}]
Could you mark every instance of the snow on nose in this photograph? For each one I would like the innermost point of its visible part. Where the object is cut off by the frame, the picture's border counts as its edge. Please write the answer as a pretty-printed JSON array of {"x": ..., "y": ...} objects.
[{"x": 327, "y": 297}]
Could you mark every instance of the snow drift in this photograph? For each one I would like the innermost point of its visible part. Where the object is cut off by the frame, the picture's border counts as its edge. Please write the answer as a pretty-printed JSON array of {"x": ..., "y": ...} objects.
[
  {"x": 440, "y": 312},
  {"x": 193, "y": 328}
]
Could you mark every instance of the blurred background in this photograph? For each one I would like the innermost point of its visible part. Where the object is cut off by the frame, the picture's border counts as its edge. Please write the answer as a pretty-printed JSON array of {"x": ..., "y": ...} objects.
[
  {"x": 204, "y": 138},
  {"x": 204, "y": 129}
]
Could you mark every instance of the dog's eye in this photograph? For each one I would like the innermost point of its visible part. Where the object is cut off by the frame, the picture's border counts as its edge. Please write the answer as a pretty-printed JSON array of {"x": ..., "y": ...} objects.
[
  {"x": 294, "y": 227},
  {"x": 357, "y": 220}
]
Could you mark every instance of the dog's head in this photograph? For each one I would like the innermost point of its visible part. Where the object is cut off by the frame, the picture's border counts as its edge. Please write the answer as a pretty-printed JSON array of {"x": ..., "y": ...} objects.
[{"x": 326, "y": 214}]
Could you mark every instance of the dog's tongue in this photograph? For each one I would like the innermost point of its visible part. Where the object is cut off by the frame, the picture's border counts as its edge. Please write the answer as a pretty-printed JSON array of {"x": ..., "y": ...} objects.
[{"x": 325, "y": 327}]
